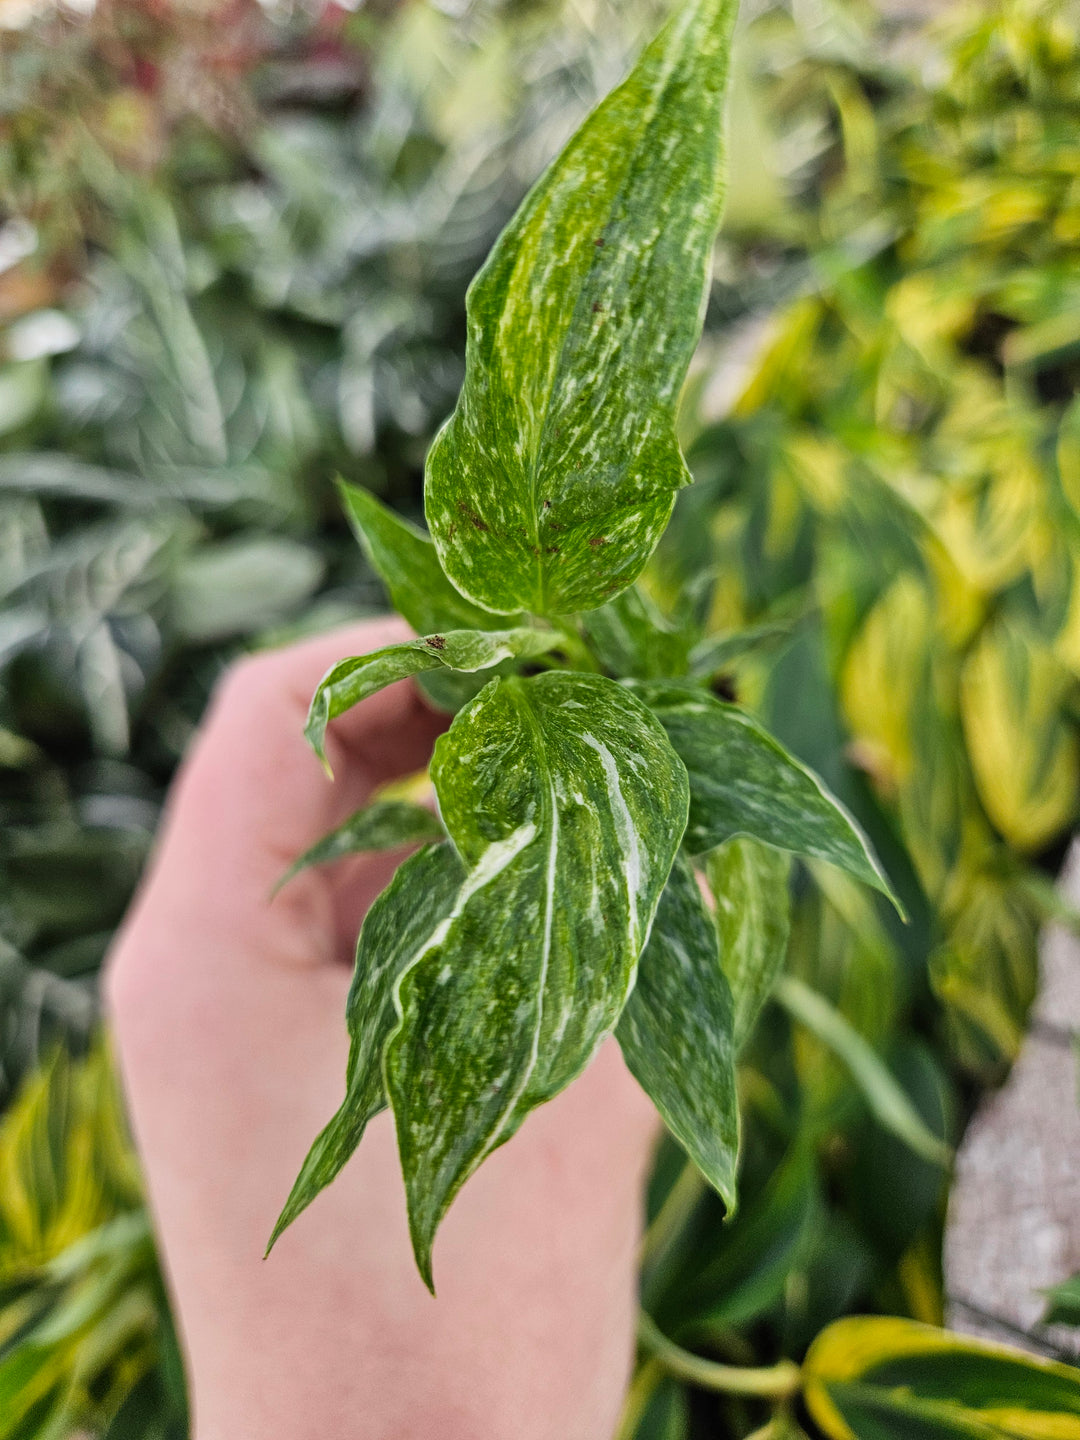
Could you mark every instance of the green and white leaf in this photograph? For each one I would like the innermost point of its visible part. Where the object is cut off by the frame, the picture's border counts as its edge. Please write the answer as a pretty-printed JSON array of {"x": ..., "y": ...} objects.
[
  {"x": 383, "y": 825},
  {"x": 555, "y": 477},
  {"x": 743, "y": 782},
  {"x": 677, "y": 1033},
  {"x": 355, "y": 678},
  {"x": 399, "y": 926},
  {"x": 404, "y": 558},
  {"x": 888, "y": 1103},
  {"x": 567, "y": 804},
  {"x": 749, "y": 883}
]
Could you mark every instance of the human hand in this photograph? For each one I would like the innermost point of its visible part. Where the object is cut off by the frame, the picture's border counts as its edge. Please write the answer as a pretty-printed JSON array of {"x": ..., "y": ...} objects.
[{"x": 228, "y": 1014}]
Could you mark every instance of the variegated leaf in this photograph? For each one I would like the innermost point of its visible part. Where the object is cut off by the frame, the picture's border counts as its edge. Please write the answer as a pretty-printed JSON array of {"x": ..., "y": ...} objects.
[
  {"x": 555, "y": 476},
  {"x": 677, "y": 1033},
  {"x": 749, "y": 883},
  {"x": 403, "y": 921},
  {"x": 354, "y": 679},
  {"x": 743, "y": 782},
  {"x": 383, "y": 825},
  {"x": 567, "y": 804}
]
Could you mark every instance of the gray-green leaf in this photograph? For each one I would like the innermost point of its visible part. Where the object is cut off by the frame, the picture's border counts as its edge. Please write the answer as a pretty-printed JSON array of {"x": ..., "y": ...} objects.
[
  {"x": 566, "y": 801},
  {"x": 677, "y": 1033},
  {"x": 402, "y": 922},
  {"x": 556, "y": 475},
  {"x": 381, "y": 826},
  {"x": 743, "y": 782},
  {"x": 354, "y": 679},
  {"x": 749, "y": 883},
  {"x": 404, "y": 558}
]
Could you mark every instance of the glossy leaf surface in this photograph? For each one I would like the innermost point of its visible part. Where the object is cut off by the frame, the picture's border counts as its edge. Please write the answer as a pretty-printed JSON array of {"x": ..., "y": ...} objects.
[
  {"x": 354, "y": 679},
  {"x": 402, "y": 922},
  {"x": 383, "y": 825},
  {"x": 878, "y": 1378},
  {"x": 749, "y": 883},
  {"x": 743, "y": 782},
  {"x": 677, "y": 1033},
  {"x": 554, "y": 479},
  {"x": 567, "y": 804}
]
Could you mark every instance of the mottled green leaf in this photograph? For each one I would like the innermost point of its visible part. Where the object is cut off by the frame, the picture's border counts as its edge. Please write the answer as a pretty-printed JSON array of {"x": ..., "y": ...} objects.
[
  {"x": 381, "y": 826},
  {"x": 743, "y": 782},
  {"x": 404, "y": 558},
  {"x": 880, "y": 1378},
  {"x": 404, "y": 921},
  {"x": 567, "y": 803},
  {"x": 354, "y": 679},
  {"x": 556, "y": 475},
  {"x": 749, "y": 883},
  {"x": 887, "y": 1101},
  {"x": 676, "y": 1033},
  {"x": 1063, "y": 1303}
]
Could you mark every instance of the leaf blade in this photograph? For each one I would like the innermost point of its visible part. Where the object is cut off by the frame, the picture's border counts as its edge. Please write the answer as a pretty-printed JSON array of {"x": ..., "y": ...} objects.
[
  {"x": 744, "y": 783},
  {"x": 400, "y": 923},
  {"x": 359, "y": 676},
  {"x": 676, "y": 1033},
  {"x": 383, "y": 825},
  {"x": 749, "y": 883},
  {"x": 546, "y": 788},
  {"x": 404, "y": 558},
  {"x": 554, "y": 478}
]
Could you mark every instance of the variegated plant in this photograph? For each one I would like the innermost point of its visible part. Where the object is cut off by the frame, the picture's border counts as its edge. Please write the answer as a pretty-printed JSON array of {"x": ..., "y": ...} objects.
[{"x": 590, "y": 767}]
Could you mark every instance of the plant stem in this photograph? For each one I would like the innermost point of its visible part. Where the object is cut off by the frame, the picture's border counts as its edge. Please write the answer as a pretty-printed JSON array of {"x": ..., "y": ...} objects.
[{"x": 772, "y": 1382}]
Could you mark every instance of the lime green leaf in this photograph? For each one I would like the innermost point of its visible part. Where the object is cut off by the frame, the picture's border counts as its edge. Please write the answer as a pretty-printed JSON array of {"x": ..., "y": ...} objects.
[
  {"x": 879, "y": 1378},
  {"x": 555, "y": 477},
  {"x": 354, "y": 679},
  {"x": 1064, "y": 1303},
  {"x": 381, "y": 826},
  {"x": 404, "y": 921},
  {"x": 888, "y": 1103},
  {"x": 567, "y": 804},
  {"x": 749, "y": 883},
  {"x": 743, "y": 782},
  {"x": 676, "y": 1033},
  {"x": 404, "y": 558}
]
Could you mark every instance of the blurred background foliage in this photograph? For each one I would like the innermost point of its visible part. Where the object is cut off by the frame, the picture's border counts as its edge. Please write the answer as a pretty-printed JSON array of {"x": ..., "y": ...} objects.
[{"x": 234, "y": 244}]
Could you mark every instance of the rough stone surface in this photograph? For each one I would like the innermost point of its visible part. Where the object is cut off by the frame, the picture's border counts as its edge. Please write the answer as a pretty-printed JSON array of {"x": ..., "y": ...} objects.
[{"x": 1014, "y": 1212}]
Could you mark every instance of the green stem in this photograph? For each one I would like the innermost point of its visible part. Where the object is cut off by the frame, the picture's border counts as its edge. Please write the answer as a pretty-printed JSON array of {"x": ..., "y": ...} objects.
[
  {"x": 772, "y": 1382},
  {"x": 641, "y": 1392}
]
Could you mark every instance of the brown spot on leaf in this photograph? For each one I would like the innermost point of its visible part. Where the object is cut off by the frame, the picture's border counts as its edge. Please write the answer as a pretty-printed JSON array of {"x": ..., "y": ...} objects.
[
  {"x": 552, "y": 550},
  {"x": 597, "y": 541},
  {"x": 437, "y": 642},
  {"x": 595, "y": 307},
  {"x": 598, "y": 241},
  {"x": 473, "y": 518}
]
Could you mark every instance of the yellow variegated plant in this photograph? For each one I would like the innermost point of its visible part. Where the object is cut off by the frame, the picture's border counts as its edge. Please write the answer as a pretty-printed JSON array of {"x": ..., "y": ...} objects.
[{"x": 82, "y": 1328}]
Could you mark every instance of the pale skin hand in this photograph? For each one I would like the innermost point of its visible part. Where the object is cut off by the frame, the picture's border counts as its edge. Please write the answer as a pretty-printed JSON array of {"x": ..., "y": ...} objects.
[{"x": 228, "y": 1015}]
